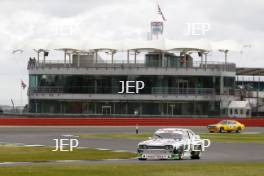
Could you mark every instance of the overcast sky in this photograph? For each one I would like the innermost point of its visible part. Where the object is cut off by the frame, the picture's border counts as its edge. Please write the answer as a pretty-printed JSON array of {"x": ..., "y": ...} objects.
[{"x": 21, "y": 21}]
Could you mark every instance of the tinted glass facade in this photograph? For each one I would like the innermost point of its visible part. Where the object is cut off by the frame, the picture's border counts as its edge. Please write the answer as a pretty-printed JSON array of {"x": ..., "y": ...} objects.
[
  {"x": 170, "y": 108},
  {"x": 83, "y": 84},
  {"x": 111, "y": 84}
]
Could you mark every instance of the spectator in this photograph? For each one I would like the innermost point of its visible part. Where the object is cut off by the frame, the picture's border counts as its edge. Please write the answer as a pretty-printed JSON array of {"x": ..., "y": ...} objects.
[{"x": 29, "y": 63}]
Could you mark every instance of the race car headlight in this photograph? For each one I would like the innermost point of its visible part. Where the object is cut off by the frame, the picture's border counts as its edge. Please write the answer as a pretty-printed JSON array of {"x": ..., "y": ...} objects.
[
  {"x": 140, "y": 151},
  {"x": 169, "y": 147},
  {"x": 211, "y": 126},
  {"x": 142, "y": 147},
  {"x": 197, "y": 147},
  {"x": 175, "y": 151}
]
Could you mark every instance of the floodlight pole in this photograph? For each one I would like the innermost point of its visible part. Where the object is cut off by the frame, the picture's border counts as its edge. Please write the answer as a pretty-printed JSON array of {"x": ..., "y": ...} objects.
[{"x": 258, "y": 96}]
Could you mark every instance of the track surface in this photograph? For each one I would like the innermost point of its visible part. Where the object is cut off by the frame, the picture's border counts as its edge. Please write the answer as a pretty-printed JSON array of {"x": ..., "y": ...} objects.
[{"x": 45, "y": 135}]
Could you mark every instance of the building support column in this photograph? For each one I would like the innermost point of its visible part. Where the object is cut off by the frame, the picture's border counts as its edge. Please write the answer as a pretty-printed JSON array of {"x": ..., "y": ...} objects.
[
  {"x": 38, "y": 56},
  {"x": 78, "y": 61},
  {"x": 95, "y": 86},
  {"x": 95, "y": 56},
  {"x": 69, "y": 58},
  {"x": 112, "y": 57},
  {"x": 65, "y": 55},
  {"x": 164, "y": 60},
  {"x": 205, "y": 54},
  {"x": 194, "y": 108},
  {"x": 221, "y": 85},
  {"x": 140, "y": 108},
  {"x": 214, "y": 80},
  {"x": 95, "y": 107},
  {"x": 127, "y": 56},
  {"x": 135, "y": 58},
  {"x": 161, "y": 108},
  {"x": 114, "y": 110},
  {"x": 167, "y": 108},
  {"x": 126, "y": 108},
  {"x": 202, "y": 55},
  {"x": 44, "y": 58}
]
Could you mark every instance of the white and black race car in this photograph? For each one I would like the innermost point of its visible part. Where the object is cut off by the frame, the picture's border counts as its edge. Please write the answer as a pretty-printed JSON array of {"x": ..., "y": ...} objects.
[{"x": 172, "y": 143}]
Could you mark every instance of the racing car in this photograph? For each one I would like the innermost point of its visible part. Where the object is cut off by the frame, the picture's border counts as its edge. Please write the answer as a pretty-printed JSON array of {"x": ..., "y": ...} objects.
[
  {"x": 171, "y": 144},
  {"x": 226, "y": 126}
]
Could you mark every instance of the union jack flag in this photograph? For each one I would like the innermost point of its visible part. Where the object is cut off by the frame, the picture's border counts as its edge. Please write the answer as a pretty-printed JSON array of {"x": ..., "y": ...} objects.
[{"x": 23, "y": 85}]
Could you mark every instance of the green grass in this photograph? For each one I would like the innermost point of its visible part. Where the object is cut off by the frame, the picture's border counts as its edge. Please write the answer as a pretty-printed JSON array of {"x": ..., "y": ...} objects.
[
  {"x": 215, "y": 137},
  {"x": 27, "y": 154},
  {"x": 234, "y": 137},
  {"x": 139, "y": 169},
  {"x": 142, "y": 136}
]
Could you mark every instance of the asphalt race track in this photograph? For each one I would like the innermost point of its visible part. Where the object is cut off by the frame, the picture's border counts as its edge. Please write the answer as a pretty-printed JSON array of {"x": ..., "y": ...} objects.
[{"x": 45, "y": 135}]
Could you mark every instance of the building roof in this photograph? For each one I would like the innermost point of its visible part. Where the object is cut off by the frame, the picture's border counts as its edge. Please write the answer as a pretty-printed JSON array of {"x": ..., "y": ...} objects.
[
  {"x": 250, "y": 71},
  {"x": 161, "y": 44},
  {"x": 239, "y": 105}
]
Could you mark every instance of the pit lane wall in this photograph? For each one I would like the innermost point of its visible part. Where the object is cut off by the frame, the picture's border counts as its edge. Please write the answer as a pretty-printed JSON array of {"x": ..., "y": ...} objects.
[{"x": 23, "y": 120}]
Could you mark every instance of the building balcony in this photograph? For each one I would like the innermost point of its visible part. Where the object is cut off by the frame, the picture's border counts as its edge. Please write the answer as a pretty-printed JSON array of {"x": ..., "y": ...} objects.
[
  {"x": 105, "y": 93},
  {"x": 114, "y": 90},
  {"x": 122, "y": 67}
]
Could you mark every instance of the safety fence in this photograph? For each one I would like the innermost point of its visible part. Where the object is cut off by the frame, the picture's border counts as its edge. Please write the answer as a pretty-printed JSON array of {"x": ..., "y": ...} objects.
[{"x": 121, "y": 121}]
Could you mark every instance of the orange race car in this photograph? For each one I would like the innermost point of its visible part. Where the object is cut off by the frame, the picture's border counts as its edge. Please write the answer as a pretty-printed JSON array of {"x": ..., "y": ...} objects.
[{"x": 226, "y": 126}]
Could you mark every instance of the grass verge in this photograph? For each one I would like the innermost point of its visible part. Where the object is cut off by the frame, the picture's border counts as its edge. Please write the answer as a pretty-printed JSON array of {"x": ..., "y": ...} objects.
[
  {"x": 234, "y": 137},
  {"x": 142, "y": 136},
  {"x": 28, "y": 154},
  {"x": 139, "y": 169}
]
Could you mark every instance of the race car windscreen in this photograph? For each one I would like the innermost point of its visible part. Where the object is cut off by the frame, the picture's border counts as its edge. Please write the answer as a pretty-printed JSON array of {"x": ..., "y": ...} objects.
[{"x": 175, "y": 136}]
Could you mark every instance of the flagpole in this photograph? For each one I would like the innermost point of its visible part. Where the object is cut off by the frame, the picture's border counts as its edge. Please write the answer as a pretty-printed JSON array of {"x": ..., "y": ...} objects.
[{"x": 21, "y": 98}]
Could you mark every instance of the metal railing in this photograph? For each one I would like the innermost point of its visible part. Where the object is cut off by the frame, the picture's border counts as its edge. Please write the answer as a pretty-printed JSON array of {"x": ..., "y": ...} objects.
[
  {"x": 183, "y": 91},
  {"x": 124, "y": 64},
  {"x": 115, "y": 90},
  {"x": 46, "y": 89}
]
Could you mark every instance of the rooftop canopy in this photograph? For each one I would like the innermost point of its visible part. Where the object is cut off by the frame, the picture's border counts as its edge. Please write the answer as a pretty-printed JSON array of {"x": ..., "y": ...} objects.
[{"x": 124, "y": 45}]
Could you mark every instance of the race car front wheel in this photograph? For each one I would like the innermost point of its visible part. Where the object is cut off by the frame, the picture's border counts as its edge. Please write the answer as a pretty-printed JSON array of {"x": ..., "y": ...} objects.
[
  {"x": 181, "y": 151},
  {"x": 238, "y": 130},
  {"x": 195, "y": 155},
  {"x": 221, "y": 130},
  {"x": 142, "y": 159}
]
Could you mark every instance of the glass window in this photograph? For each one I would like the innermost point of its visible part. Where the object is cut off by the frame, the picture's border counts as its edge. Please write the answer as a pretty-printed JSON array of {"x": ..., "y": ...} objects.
[
  {"x": 247, "y": 112},
  {"x": 224, "y": 122},
  {"x": 33, "y": 81}
]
